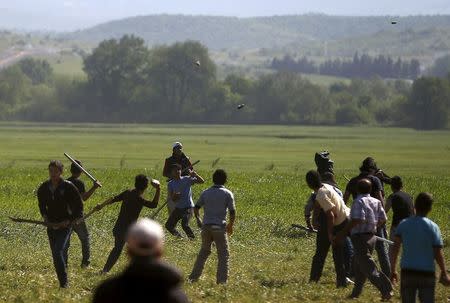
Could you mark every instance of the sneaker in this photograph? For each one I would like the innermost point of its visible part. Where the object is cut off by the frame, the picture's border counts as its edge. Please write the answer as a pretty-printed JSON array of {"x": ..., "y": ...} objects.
[
  {"x": 85, "y": 264},
  {"x": 387, "y": 297}
]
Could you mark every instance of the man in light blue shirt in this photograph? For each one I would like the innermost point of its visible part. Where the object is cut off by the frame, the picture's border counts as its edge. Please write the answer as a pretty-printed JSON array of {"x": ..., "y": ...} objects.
[
  {"x": 422, "y": 244},
  {"x": 179, "y": 190},
  {"x": 216, "y": 201}
]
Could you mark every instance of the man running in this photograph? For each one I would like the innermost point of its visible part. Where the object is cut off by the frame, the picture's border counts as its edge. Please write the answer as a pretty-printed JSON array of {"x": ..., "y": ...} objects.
[
  {"x": 366, "y": 215},
  {"x": 81, "y": 229},
  {"x": 59, "y": 204},
  {"x": 216, "y": 201},
  {"x": 132, "y": 204},
  {"x": 180, "y": 191}
]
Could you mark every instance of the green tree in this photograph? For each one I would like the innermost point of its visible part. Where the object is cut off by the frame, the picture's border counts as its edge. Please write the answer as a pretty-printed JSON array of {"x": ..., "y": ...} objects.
[
  {"x": 14, "y": 91},
  {"x": 39, "y": 71}
]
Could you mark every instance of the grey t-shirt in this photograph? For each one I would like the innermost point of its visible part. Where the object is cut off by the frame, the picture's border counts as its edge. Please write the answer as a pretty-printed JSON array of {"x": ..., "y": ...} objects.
[{"x": 216, "y": 200}]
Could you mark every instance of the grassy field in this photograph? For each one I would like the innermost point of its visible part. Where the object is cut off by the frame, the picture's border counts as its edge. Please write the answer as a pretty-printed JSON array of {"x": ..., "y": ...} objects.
[{"x": 266, "y": 164}]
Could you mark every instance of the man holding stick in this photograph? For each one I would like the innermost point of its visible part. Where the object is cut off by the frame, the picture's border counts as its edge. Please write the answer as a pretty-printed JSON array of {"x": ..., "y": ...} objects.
[
  {"x": 60, "y": 205},
  {"x": 81, "y": 229},
  {"x": 132, "y": 204}
]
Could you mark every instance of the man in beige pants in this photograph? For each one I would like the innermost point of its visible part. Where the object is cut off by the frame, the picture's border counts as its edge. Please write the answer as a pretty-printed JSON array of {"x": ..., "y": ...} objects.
[{"x": 216, "y": 200}]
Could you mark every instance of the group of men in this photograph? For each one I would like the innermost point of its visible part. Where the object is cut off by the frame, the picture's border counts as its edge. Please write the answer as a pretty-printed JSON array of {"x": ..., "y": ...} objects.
[
  {"x": 61, "y": 206},
  {"x": 354, "y": 232}
]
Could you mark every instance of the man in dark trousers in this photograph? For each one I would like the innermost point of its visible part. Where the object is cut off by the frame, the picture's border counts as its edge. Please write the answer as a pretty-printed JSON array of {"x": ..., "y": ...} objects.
[
  {"x": 422, "y": 245},
  {"x": 81, "y": 229},
  {"x": 60, "y": 204},
  {"x": 147, "y": 278},
  {"x": 336, "y": 213},
  {"x": 180, "y": 191},
  {"x": 216, "y": 201},
  {"x": 366, "y": 215},
  {"x": 401, "y": 204},
  {"x": 132, "y": 204},
  {"x": 367, "y": 170},
  {"x": 178, "y": 157}
]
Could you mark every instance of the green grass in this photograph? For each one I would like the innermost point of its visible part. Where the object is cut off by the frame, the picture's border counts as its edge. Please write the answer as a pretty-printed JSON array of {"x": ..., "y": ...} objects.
[{"x": 266, "y": 166}]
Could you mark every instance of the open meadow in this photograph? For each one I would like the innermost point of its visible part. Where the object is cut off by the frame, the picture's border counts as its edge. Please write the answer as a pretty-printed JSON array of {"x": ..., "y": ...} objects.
[{"x": 266, "y": 166}]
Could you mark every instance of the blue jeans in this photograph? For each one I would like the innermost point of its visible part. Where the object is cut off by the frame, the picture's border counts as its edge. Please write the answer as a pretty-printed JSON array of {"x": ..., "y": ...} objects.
[
  {"x": 183, "y": 214},
  {"x": 83, "y": 235},
  {"x": 382, "y": 252},
  {"x": 59, "y": 239},
  {"x": 413, "y": 283}
]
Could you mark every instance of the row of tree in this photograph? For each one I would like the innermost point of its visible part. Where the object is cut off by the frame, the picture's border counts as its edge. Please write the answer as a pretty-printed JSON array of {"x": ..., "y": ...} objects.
[
  {"x": 363, "y": 66},
  {"x": 127, "y": 82}
]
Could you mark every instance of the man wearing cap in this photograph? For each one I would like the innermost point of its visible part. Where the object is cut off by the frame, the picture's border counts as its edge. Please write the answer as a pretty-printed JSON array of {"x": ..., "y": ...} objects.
[
  {"x": 147, "y": 276},
  {"x": 81, "y": 229},
  {"x": 216, "y": 201},
  {"x": 132, "y": 204},
  {"x": 178, "y": 157}
]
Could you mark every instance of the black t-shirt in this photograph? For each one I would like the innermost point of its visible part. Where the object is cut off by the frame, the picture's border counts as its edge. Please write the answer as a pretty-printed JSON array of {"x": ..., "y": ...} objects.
[
  {"x": 402, "y": 206},
  {"x": 143, "y": 281},
  {"x": 352, "y": 186},
  {"x": 132, "y": 204},
  {"x": 78, "y": 184},
  {"x": 60, "y": 204}
]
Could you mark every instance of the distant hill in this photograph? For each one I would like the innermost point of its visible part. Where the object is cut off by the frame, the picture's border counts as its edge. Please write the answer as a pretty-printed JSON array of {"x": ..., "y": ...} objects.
[{"x": 261, "y": 32}]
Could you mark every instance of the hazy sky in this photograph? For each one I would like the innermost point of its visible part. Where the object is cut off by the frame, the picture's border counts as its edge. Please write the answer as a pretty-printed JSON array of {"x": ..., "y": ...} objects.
[{"x": 73, "y": 14}]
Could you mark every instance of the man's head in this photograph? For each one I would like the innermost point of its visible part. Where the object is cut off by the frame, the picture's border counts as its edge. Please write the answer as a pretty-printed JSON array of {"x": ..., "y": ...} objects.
[
  {"x": 396, "y": 183},
  {"x": 74, "y": 170},
  {"x": 423, "y": 204},
  {"x": 220, "y": 177},
  {"x": 175, "y": 170},
  {"x": 177, "y": 149},
  {"x": 369, "y": 165},
  {"x": 55, "y": 170},
  {"x": 145, "y": 238},
  {"x": 141, "y": 182},
  {"x": 313, "y": 180},
  {"x": 364, "y": 186}
]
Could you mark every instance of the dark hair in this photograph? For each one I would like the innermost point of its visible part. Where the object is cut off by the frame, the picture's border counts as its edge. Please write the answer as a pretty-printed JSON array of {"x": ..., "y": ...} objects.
[
  {"x": 364, "y": 186},
  {"x": 368, "y": 164},
  {"x": 220, "y": 177},
  {"x": 423, "y": 203},
  {"x": 74, "y": 169},
  {"x": 56, "y": 163},
  {"x": 328, "y": 177},
  {"x": 141, "y": 182},
  {"x": 396, "y": 183},
  {"x": 313, "y": 179},
  {"x": 175, "y": 166}
]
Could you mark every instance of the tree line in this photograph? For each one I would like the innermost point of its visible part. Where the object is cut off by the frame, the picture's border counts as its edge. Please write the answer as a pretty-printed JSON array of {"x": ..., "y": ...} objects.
[
  {"x": 363, "y": 66},
  {"x": 127, "y": 82}
]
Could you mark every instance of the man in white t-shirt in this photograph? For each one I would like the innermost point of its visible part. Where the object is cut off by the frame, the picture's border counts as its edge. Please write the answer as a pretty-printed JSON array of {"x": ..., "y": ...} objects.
[{"x": 337, "y": 217}]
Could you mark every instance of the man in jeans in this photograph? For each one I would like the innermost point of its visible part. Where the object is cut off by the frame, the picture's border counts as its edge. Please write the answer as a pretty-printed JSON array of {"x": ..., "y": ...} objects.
[
  {"x": 216, "y": 201},
  {"x": 422, "y": 244},
  {"x": 60, "y": 205},
  {"x": 179, "y": 190},
  {"x": 366, "y": 215},
  {"x": 336, "y": 213},
  {"x": 81, "y": 228}
]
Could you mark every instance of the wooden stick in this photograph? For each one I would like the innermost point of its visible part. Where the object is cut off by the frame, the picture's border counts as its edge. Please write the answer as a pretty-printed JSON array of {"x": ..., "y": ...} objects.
[
  {"x": 81, "y": 168},
  {"x": 303, "y": 228},
  {"x": 36, "y": 222}
]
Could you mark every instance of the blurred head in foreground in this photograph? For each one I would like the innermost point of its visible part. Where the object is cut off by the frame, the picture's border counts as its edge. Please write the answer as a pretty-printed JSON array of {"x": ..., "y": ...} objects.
[{"x": 145, "y": 239}]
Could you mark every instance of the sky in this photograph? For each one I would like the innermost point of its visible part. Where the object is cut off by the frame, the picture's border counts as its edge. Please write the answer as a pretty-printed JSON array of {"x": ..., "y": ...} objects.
[{"x": 64, "y": 15}]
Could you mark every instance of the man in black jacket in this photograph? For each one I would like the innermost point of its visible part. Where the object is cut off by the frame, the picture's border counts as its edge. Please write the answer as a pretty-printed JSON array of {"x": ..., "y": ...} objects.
[
  {"x": 146, "y": 276},
  {"x": 59, "y": 204}
]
